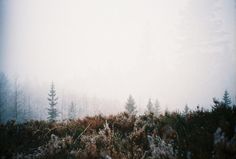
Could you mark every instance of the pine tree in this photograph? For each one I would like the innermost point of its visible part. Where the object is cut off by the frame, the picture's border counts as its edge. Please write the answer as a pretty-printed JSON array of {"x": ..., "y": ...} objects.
[
  {"x": 52, "y": 99},
  {"x": 157, "y": 108},
  {"x": 130, "y": 105},
  {"x": 72, "y": 111},
  {"x": 150, "y": 106},
  {"x": 226, "y": 98},
  {"x": 3, "y": 95},
  {"x": 186, "y": 109}
]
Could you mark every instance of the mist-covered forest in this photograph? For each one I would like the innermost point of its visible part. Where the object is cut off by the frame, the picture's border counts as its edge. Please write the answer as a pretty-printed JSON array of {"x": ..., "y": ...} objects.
[
  {"x": 189, "y": 133},
  {"x": 117, "y": 79},
  {"x": 22, "y": 102}
]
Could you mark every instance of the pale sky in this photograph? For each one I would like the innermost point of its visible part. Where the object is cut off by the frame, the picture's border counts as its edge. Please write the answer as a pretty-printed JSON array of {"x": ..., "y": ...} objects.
[{"x": 181, "y": 52}]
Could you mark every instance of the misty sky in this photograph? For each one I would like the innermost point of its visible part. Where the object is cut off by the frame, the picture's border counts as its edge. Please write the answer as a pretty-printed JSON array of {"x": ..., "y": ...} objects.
[{"x": 181, "y": 52}]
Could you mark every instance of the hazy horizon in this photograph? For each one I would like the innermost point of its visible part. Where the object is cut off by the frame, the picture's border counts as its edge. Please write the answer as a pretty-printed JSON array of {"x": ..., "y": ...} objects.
[{"x": 179, "y": 52}]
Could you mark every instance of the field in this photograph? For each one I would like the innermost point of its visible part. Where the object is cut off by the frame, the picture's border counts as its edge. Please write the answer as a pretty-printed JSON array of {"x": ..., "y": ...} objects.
[{"x": 198, "y": 134}]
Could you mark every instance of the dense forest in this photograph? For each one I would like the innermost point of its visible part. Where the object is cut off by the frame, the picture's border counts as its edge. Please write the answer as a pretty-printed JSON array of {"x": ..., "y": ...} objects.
[{"x": 190, "y": 134}]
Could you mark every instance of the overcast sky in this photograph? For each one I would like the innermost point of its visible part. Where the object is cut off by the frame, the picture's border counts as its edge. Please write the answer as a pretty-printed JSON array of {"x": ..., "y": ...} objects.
[{"x": 181, "y": 52}]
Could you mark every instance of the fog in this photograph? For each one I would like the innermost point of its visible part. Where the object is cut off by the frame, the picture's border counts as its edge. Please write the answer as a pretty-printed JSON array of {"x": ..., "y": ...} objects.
[{"x": 179, "y": 52}]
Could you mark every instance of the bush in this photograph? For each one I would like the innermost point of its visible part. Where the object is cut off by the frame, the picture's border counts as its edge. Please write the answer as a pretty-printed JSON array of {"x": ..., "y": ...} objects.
[{"x": 197, "y": 135}]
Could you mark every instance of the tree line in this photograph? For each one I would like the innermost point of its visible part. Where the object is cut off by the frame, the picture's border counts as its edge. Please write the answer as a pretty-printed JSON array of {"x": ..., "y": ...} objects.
[
  {"x": 17, "y": 105},
  {"x": 21, "y": 104}
]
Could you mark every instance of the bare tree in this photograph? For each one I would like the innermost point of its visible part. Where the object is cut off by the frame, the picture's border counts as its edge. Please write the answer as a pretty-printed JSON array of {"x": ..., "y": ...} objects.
[
  {"x": 16, "y": 100},
  {"x": 72, "y": 111},
  {"x": 157, "y": 108}
]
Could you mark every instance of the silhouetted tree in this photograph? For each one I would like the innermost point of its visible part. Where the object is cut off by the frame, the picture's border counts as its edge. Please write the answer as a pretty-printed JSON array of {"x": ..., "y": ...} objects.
[
  {"x": 226, "y": 98},
  {"x": 130, "y": 105},
  {"x": 52, "y": 111}
]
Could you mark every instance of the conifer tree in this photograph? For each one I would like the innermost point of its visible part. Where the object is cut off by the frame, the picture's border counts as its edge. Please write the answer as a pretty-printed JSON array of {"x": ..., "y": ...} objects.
[
  {"x": 72, "y": 111},
  {"x": 186, "y": 109},
  {"x": 226, "y": 98},
  {"x": 130, "y": 105},
  {"x": 150, "y": 106},
  {"x": 52, "y": 99},
  {"x": 157, "y": 108},
  {"x": 3, "y": 95}
]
